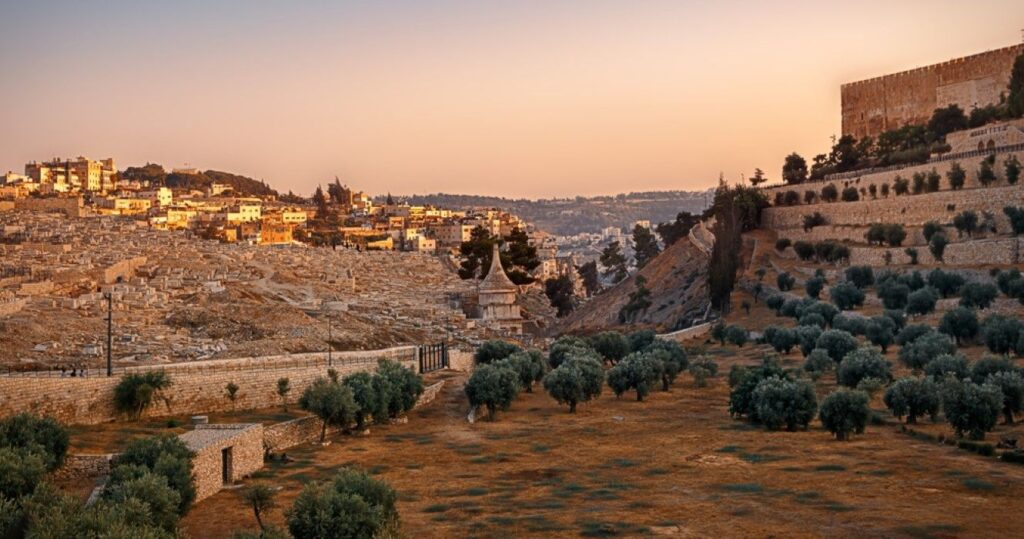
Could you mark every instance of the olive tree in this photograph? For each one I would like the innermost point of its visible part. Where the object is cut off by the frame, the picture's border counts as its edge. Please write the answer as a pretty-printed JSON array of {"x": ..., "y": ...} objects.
[
  {"x": 913, "y": 397},
  {"x": 494, "y": 350},
  {"x": 947, "y": 365},
  {"x": 918, "y": 353},
  {"x": 978, "y": 295},
  {"x": 638, "y": 371},
  {"x": 330, "y": 401},
  {"x": 844, "y": 412},
  {"x": 781, "y": 402},
  {"x": 922, "y": 301},
  {"x": 836, "y": 343},
  {"x": 578, "y": 379},
  {"x": 970, "y": 408},
  {"x": 881, "y": 332},
  {"x": 1011, "y": 385},
  {"x": 492, "y": 386},
  {"x": 808, "y": 338},
  {"x": 864, "y": 362},
  {"x": 565, "y": 347},
  {"x": 1001, "y": 333},
  {"x": 846, "y": 296},
  {"x": 529, "y": 366},
  {"x": 353, "y": 505},
  {"x": 961, "y": 324}
]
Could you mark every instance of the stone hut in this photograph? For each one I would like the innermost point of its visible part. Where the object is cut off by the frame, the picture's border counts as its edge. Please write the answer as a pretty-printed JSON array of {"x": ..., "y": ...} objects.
[
  {"x": 224, "y": 453},
  {"x": 497, "y": 298}
]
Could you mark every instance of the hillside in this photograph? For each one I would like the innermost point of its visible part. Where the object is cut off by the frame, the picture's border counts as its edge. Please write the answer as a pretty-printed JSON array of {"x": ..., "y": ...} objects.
[
  {"x": 565, "y": 216},
  {"x": 677, "y": 279},
  {"x": 157, "y": 176}
]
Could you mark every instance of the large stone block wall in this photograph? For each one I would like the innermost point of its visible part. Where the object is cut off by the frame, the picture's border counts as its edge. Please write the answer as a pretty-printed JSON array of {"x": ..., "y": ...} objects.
[
  {"x": 970, "y": 166},
  {"x": 84, "y": 466},
  {"x": 71, "y": 207},
  {"x": 909, "y": 97},
  {"x": 908, "y": 210},
  {"x": 196, "y": 387},
  {"x": 1004, "y": 251}
]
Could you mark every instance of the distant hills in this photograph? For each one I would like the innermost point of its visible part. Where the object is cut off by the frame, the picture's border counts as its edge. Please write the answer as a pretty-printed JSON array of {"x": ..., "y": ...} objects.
[
  {"x": 568, "y": 216},
  {"x": 201, "y": 180}
]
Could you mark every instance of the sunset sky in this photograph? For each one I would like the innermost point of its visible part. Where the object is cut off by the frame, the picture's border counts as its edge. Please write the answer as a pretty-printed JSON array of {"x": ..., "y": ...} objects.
[{"x": 516, "y": 98}]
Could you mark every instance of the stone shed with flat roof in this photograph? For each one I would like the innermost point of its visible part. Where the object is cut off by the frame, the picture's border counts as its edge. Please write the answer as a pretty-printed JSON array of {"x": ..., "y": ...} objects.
[{"x": 224, "y": 453}]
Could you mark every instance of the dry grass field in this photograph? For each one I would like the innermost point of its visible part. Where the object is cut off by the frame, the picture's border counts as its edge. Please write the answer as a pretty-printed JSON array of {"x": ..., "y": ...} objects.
[{"x": 676, "y": 465}]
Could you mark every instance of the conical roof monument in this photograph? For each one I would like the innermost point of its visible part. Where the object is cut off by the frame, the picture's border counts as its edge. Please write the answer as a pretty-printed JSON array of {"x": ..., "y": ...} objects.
[{"x": 497, "y": 292}]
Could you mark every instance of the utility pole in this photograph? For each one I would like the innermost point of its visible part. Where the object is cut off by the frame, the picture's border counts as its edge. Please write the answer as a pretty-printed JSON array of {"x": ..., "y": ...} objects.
[{"x": 110, "y": 331}]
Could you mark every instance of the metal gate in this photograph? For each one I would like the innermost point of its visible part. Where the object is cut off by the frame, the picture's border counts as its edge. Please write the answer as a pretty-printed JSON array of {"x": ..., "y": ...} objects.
[{"x": 433, "y": 357}]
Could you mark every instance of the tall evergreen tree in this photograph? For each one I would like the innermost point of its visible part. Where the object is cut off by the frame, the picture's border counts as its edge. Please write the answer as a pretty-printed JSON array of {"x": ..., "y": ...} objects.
[
  {"x": 1016, "y": 99},
  {"x": 614, "y": 262},
  {"x": 591, "y": 278},
  {"x": 645, "y": 245}
]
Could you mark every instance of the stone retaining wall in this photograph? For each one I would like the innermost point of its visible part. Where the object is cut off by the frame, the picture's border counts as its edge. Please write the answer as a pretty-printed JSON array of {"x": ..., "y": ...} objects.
[
  {"x": 197, "y": 387},
  {"x": 689, "y": 333},
  {"x": 84, "y": 466},
  {"x": 1003, "y": 251}
]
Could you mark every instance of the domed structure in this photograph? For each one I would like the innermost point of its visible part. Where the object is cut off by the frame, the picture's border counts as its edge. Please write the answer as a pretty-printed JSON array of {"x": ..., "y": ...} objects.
[{"x": 497, "y": 301}]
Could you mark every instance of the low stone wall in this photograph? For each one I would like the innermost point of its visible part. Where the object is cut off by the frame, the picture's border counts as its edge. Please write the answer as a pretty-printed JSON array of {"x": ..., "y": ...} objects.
[
  {"x": 908, "y": 210},
  {"x": 689, "y": 333},
  {"x": 429, "y": 394},
  {"x": 1003, "y": 251},
  {"x": 460, "y": 360},
  {"x": 197, "y": 387},
  {"x": 84, "y": 466}
]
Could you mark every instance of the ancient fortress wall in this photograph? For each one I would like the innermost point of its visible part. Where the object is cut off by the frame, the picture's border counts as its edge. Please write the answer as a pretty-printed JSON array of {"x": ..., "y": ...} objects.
[
  {"x": 872, "y": 106},
  {"x": 197, "y": 387}
]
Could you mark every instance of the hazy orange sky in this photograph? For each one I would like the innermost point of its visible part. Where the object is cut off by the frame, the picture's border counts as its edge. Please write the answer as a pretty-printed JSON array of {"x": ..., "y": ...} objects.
[{"x": 524, "y": 98}]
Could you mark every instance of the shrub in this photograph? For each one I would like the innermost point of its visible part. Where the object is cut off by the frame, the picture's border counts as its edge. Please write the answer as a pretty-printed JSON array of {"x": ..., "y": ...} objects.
[
  {"x": 989, "y": 365},
  {"x": 1011, "y": 385},
  {"x": 781, "y": 402},
  {"x": 567, "y": 346},
  {"x": 900, "y": 185},
  {"x": 41, "y": 435},
  {"x": 576, "y": 380},
  {"x": 813, "y": 220},
  {"x": 893, "y": 294},
  {"x": 961, "y": 324},
  {"x": 846, "y": 296},
  {"x": 807, "y": 336},
  {"x": 918, "y": 183},
  {"x": 966, "y": 221},
  {"x": 937, "y": 246},
  {"x": 774, "y": 302},
  {"x": 782, "y": 244},
  {"x": 781, "y": 339},
  {"x": 946, "y": 365},
  {"x": 912, "y": 253},
  {"x": 1000, "y": 333},
  {"x": 284, "y": 386},
  {"x": 970, "y": 408},
  {"x": 860, "y": 276},
  {"x": 930, "y": 229},
  {"x": 881, "y": 331},
  {"x": 813, "y": 286},
  {"x": 860, "y": 364},
  {"x": 736, "y": 335},
  {"x": 20, "y": 471},
  {"x": 804, "y": 250},
  {"x": 1016, "y": 217},
  {"x": 829, "y": 193},
  {"x": 933, "y": 180},
  {"x": 135, "y": 392},
  {"x": 163, "y": 501},
  {"x": 163, "y": 455},
  {"x": 956, "y": 176},
  {"x": 639, "y": 371},
  {"x": 744, "y": 381},
  {"x": 818, "y": 362},
  {"x": 836, "y": 343},
  {"x": 986, "y": 173},
  {"x": 353, "y": 505},
  {"x": 493, "y": 386},
  {"x": 977, "y": 295},
  {"x": 610, "y": 345},
  {"x": 701, "y": 369},
  {"x": 1012, "y": 169},
  {"x": 406, "y": 386},
  {"x": 895, "y": 234},
  {"x": 925, "y": 348},
  {"x": 830, "y": 251},
  {"x": 922, "y": 301},
  {"x": 718, "y": 332},
  {"x": 844, "y": 412},
  {"x": 785, "y": 281},
  {"x": 850, "y": 194},
  {"x": 494, "y": 350},
  {"x": 913, "y": 397}
]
